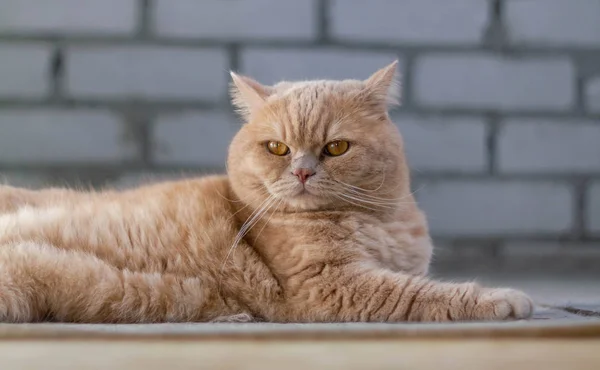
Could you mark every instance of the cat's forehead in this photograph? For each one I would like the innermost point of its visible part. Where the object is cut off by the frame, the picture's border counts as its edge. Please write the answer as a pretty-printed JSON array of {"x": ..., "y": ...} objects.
[
  {"x": 316, "y": 89},
  {"x": 312, "y": 112}
]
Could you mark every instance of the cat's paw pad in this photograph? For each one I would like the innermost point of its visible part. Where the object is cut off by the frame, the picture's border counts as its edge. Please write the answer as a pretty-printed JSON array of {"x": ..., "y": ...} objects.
[
  {"x": 503, "y": 304},
  {"x": 239, "y": 318}
]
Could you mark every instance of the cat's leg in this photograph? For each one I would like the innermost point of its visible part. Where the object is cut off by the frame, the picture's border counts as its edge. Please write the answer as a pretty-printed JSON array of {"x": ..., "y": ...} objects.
[
  {"x": 40, "y": 282},
  {"x": 352, "y": 293}
]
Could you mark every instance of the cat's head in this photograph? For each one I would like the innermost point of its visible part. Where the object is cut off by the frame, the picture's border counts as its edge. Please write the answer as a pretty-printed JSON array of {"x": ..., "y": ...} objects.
[{"x": 317, "y": 145}]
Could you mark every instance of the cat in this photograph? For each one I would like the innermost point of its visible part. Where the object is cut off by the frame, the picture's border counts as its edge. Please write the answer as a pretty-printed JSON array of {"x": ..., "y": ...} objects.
[{"x": 314, "y": 222}]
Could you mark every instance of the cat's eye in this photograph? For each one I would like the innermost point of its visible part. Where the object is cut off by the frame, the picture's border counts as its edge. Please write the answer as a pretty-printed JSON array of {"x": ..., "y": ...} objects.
[
  {"x": 278, "y": 148},
  {"x": 336, "y": 148}
]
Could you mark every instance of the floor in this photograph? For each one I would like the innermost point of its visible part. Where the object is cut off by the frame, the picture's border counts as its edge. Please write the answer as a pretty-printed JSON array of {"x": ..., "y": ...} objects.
[
  {"x": 545, "y": 289},
  {"x": 564, "y": 333}
]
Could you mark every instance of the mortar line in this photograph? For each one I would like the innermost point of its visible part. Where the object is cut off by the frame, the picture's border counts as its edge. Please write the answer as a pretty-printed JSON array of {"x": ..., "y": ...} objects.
[
  {"x": 492, "y": 130},
  {"x": 407, "y": 98},
  {"x": 579, "y": 103},
  {"x": 233, "y": 52},
  {"x": 322, "y": 21},
  {"x": 56, "y": 69},
  {"x": 580, "y": 207},
  {"x": 144, "y": 21}
]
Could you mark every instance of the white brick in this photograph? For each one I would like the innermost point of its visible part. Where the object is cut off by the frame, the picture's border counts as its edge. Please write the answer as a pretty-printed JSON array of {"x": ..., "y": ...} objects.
[
  {"x": 24, "y": 70},
  {"x": 592, "y": 95},
  {"x": 542, "y": 249},
  {"x": 550, "y": 145},
  {"x": 239, "y": 20},
  {"x": 435, "y": 143},
  {"x": 147, "y": 73},
  {"x": 273, "y": 65},
  {"x": 68, "y": 16},
  {"x": 485, "y": 81},
  {"x": 470, "y": 208},
  {"x": 549, "y": 257},
  {"x": 554, "y": 22},
  {"x": 194, "y": 138},
  {"x": 410, "y": 21},
  {"x": 593, "y": 208},
  {"x": 48, "y": 136},
  {"x": 465, "y": 252}
]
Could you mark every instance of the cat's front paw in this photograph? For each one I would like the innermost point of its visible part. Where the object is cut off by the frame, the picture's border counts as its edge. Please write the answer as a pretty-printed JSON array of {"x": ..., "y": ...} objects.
[{"x": 503, "y": 304}]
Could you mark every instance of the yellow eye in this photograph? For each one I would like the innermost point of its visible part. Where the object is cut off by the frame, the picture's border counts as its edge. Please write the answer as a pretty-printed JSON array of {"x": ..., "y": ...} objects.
[
  {"x": 336, "y": 148},
  {"x": 277, "y": 148}
]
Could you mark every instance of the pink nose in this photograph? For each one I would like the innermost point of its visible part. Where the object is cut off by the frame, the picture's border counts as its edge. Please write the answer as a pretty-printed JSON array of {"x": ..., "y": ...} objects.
[{"x": 303, "y": 174}]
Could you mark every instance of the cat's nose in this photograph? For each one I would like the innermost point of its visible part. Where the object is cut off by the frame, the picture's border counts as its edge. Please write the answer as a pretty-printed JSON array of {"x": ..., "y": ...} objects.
[{"x": 303, "y": 174}]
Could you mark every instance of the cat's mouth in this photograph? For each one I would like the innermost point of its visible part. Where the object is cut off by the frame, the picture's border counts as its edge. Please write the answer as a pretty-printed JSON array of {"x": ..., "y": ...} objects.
[
  {"x": 303, "y": 191},
  {"x": 307, "y": 196},
  {"x": 297, "y": 193}
]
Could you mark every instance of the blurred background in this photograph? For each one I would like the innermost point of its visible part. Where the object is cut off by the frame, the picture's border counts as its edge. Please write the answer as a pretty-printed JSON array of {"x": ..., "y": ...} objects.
[{"x": 501, "y": 104}]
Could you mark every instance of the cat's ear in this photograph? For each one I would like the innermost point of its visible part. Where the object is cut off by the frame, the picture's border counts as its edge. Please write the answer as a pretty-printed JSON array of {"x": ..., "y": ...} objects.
[
  {"x": 247, "y": 95},
  {"x": 383, "y": 87}
]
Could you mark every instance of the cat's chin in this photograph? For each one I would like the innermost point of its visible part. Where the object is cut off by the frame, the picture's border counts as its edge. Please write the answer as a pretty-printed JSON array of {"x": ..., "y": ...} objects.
[
  {"x": 304, "y": 192},
  {"x": 305, "y": 204},
  {"x": 304, "y": 199},
  {"x": 302, "y": 195}
]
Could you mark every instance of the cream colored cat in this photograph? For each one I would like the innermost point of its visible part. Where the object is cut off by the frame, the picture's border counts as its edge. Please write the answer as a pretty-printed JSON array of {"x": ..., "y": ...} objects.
[{"x": 314, "y": 223}]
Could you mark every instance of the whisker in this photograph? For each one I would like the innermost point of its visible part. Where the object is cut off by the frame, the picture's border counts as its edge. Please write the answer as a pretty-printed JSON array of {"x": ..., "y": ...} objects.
[
  {"x": 268, "y": 219},
  {"x": 246, "y": 206},
  {"x": 238, "y": 211},
  {"x": 373, "y": 190},
  {"x": 377, "y": 204},
  {"x": 227, "y": 199},
  {"x": 415, "y": 191},
  {"x": 356, "y": 191},
  {"x": 238, "y": 238},
  {"x": 254, "y": 217},
  {"x": 367, "y": 196},
  {"x": 356, "y": 204}
]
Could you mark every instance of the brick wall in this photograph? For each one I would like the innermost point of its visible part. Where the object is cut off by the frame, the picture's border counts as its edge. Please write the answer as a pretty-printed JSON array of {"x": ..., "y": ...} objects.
[{"x": 501, "y": 106}]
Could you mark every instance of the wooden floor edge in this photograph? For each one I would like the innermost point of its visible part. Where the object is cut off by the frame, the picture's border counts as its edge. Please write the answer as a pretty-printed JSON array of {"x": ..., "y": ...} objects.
[
  {"x": 446, "y": 354},
  {"x": 586, "y": 330}
]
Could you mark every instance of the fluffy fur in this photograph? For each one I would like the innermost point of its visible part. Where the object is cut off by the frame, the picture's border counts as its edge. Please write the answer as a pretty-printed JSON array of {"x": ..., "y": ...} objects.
[{"x": 348, "y": 245}]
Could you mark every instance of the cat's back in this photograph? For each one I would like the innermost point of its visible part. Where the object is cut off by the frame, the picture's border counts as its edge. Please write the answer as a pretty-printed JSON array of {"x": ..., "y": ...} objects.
[
  {"x": 176, "y": 199},
  {"x": 190, "y": 205},
  {"x": 183, "y": 224}
]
